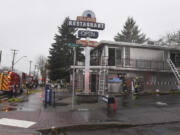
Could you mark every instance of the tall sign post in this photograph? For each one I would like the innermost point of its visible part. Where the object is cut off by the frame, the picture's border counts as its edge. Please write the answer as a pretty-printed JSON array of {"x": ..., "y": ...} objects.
[
  {"x": 87, "y": 64},
  {"x": 73, "y": 77},
  {"x": 87, "y": 21}
]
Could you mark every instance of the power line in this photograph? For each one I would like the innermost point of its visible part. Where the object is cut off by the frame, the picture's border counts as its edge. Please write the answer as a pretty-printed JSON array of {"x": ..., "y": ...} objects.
[{"x": 30, "y": 62}]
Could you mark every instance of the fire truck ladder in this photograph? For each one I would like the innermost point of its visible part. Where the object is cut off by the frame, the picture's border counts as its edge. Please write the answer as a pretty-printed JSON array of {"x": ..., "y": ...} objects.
[
  {"x": 174, "y": 70},
  {"x": 102, "y": 81}
]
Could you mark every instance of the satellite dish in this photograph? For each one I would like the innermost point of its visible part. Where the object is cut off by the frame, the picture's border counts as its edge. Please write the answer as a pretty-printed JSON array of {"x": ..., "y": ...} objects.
[{"x": 89, "y": 14}]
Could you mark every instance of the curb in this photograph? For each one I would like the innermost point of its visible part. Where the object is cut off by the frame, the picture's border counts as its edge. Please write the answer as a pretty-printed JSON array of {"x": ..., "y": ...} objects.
[
  {"x": 149, "y": 93},
  {"x": 87, "y": 126},
  {"x": 99, "y": 126}
]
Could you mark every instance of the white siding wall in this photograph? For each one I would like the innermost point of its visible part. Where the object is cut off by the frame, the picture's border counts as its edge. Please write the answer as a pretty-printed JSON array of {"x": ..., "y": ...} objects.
[{"x": 147, "y": 54}]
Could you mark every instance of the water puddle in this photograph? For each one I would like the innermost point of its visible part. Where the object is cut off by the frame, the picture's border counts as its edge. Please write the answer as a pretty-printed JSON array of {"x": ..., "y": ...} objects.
[
  {"x": 61, "y": 98},
  {"x": 62, "y": 104},
  {"x": 83, "y": 109},
  {"x": 5, "y": 100},
  {"x": 159, "y": 103},
  {"x": 7, "y": 109},
  {"x": 13, "y": 104}
]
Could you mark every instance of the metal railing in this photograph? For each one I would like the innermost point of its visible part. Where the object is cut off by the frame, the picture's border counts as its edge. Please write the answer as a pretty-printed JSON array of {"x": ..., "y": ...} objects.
[
  {"x": 129, "y": 63},
  {"x": 145, "y": 64}
]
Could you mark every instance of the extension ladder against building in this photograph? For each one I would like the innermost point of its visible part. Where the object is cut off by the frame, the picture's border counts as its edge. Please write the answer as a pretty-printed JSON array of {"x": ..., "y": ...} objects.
[
  {"x": 102, "y": 82},
  {"x": 174, "y": 70}
]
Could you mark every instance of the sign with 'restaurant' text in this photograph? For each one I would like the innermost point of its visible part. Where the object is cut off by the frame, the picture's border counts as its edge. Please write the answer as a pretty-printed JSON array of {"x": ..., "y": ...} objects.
[{"x": 91, "y": 25}]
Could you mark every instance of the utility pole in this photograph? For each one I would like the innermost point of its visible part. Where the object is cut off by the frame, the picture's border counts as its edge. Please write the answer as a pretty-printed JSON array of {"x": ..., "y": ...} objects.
[
  {"x": 14, "y": 54},
  {"x": 30, "y": 62},
  {"x": 35, "y": 66}
]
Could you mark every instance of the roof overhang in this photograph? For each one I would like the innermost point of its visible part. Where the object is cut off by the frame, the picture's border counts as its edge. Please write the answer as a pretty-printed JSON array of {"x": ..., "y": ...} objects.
[{"x": 102, "y": 43}]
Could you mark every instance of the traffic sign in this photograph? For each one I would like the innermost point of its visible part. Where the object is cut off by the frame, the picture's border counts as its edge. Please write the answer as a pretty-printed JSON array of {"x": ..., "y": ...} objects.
[
  {"x": 74, "y": 45},
  {"x": 86, "y": 33}
]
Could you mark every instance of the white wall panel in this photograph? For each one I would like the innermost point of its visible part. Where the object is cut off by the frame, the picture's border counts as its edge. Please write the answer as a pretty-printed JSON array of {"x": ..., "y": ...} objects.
[{"x": 147, "y": 54}]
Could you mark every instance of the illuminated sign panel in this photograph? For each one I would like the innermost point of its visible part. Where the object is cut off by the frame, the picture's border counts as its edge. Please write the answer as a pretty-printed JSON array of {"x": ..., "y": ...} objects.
[
  {"x": 91, "y": 25},
  {"x": 85, "y": 19},
  {"x": 86, "y": 33},
  {"x": 87, "y": 43}
]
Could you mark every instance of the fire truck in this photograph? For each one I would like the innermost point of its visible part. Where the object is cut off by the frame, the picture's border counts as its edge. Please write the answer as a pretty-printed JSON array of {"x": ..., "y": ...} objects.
[
  {"x": 11, "y": 82},
  {"x": 32, "y": 82}
]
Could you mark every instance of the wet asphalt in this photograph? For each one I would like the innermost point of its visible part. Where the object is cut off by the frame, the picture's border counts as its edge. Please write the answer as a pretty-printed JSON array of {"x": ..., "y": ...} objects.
[
  {"x": 132, "y": 105},
  {"x": 125, "y": 104},
  {"x": 34, "y": 103}
]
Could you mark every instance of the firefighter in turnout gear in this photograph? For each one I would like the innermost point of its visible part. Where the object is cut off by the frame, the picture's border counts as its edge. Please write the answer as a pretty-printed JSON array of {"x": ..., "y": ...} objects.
[
  {"x": 136, "y": 85},
  {"x": 123, "y": 77},
  {"x": 124, "y": 84}
]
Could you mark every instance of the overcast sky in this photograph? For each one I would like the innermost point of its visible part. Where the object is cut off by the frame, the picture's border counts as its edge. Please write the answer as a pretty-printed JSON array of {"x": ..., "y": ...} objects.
[{"x": 29, "y": 25}]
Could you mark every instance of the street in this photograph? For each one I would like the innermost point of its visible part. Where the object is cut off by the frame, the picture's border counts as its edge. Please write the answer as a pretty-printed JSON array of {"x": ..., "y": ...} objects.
[{"x": 147, "y": 114}]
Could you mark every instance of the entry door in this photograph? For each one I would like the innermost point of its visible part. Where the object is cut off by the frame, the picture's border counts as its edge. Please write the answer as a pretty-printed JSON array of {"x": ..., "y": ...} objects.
[
  {"x": 93, "y": 83},
  {"x": 111, "y": 60},
  {"x": 177, "y": 59},
  {"x": 172, "y": 57}
]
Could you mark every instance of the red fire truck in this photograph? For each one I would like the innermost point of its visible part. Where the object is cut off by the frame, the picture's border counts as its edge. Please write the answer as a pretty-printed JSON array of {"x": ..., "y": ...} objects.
[{"x": 11, "y": 82}]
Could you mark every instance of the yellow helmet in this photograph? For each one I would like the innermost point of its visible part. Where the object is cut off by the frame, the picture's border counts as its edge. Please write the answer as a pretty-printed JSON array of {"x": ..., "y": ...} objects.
[{"x": 137, "y": 78}]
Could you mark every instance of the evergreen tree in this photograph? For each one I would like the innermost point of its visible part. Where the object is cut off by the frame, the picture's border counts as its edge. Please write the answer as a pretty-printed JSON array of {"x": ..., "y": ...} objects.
[
  {"x": 61, "y": 55},
  {"x": 130, "y": 33}
]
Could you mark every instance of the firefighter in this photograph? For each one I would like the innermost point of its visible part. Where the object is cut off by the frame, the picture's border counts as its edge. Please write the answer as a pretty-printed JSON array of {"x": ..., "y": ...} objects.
[
  {"x": 136, "y": 85},
  {"x": 124, "y": 84},
  {"x": 14, "y": 90},
  {"x": 11, "y": 91},
  {"x": 31, "y": 85}
]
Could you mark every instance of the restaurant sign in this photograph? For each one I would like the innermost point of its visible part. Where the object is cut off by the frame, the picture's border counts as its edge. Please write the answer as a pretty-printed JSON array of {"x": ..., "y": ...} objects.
[{"x": 91, "y": 25}]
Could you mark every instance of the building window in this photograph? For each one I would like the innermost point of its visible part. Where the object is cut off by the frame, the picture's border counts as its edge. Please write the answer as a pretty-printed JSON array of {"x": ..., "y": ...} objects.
[
  {"x": 111, "y": 59},
  {"x": 118, "y": 56},
  {"x": 175, "y": 57}
]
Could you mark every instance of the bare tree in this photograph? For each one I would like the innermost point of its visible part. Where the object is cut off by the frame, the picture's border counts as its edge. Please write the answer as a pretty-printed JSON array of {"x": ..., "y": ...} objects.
[
  {"x": 42, "y": 66},
  {"x": 170, "y": 39},
  {"x": 2, "y": 69},
  {"x": 173, "y": 37}
]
